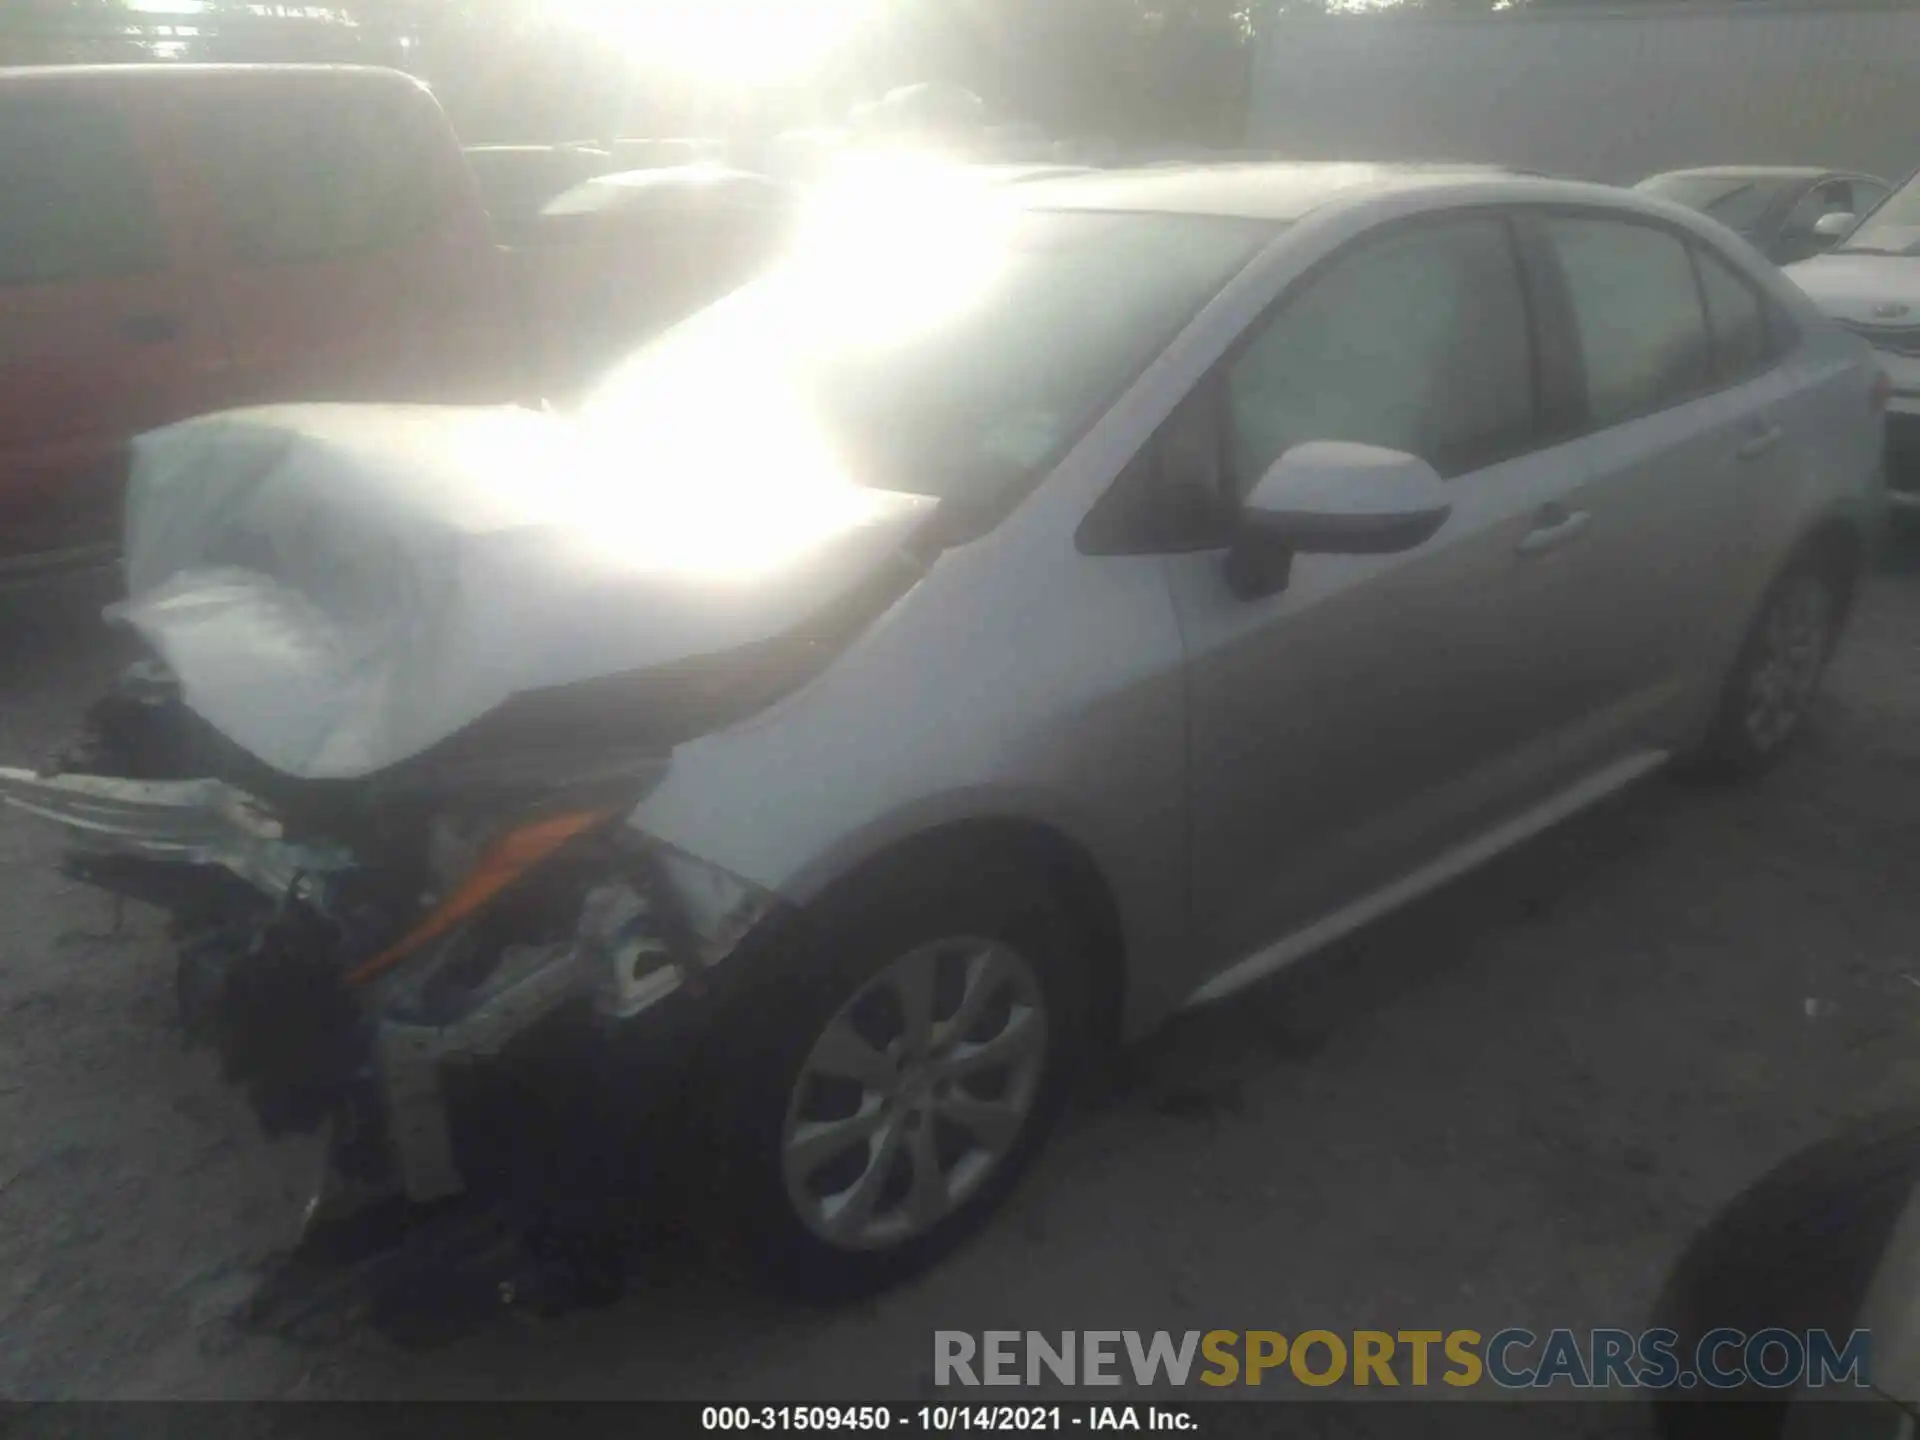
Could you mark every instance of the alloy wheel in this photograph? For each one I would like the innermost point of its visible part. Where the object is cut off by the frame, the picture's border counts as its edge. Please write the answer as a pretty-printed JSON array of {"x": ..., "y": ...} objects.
[
  {"x": 1794, "y": 642},
  {"x": 915, "y": 1092}
]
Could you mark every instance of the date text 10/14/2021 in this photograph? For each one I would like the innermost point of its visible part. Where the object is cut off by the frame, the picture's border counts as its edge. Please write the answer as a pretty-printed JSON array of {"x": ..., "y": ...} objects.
[{"x": 947, "y": 1419}]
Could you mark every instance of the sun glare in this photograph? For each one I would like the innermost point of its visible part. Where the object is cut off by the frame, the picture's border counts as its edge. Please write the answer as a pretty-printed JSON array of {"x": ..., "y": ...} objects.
[
  {"x": 894, "y": 244},
  {"x": 746, "y": 42},
  {"x": 703, "y": 454}
]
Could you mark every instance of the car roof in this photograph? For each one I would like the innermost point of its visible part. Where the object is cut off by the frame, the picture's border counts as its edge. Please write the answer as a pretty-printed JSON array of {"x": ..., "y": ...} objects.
[
  {"x": 669, "y": 185},
  {"x": 568, "y": 149},
  {"x": 1276, "y": 191},
  {"x": 171, "y": 73},
  {"x": 1752, "y": 172},
  {"x": 705, "y": 173},
  {"x": 1027, "y": 170}
]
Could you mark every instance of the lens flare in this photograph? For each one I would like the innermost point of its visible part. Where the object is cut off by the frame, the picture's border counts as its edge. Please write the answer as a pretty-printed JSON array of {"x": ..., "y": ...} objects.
[
  {"x": 746, "y": 42},
  {"x": 710, "y": 437}
]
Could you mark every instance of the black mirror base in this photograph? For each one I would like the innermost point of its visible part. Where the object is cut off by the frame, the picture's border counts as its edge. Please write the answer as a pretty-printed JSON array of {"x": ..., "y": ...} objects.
[{"x": 1254, "y": 570}]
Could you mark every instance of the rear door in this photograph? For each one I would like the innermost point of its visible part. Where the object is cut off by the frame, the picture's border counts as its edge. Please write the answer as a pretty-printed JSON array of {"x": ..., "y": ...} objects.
[
  {"x": 348, "y": 251},
  {"x": 1680, "y": 431},
  {"x": 102, "y": 334}
]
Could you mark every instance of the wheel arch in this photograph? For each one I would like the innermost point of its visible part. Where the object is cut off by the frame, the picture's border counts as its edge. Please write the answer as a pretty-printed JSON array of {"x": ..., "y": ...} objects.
[
  {"x": 1069, "y": 869},
  {"x": 1837, "y": 541}
]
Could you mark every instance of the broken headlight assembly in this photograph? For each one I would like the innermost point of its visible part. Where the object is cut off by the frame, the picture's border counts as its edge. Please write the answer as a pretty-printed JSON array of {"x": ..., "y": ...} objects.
[
  {"x": 562, "y": 910},
  {"x": 634, "y": 918},
  {"x": 660, "y": 921}
]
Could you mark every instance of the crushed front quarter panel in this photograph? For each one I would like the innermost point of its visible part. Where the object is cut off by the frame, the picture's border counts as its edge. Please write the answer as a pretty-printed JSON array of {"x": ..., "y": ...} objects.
[{"x": 340, "y": 587}]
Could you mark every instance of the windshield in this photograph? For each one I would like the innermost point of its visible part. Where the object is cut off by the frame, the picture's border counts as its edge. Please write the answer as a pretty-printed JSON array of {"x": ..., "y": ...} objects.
[
  {"x": 950, "y": 353},
  {"x": 1894, "y": 228},
  {"x": 1738, "y": 202}
]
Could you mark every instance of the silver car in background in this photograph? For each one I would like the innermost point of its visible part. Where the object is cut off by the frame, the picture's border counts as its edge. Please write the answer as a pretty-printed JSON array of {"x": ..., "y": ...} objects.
[
  {"x": 1786, "y": 212},
  {"x": 1218, "y": 557}
]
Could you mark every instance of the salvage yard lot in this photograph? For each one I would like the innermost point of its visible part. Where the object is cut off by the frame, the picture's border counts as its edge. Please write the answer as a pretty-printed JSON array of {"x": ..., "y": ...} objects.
[{"x": 1508, "y": 1106}]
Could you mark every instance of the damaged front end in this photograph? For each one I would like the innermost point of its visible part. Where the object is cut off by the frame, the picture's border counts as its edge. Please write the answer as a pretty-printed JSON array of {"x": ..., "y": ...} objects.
[
  {"x": 489, "y": 987},
  {"x": 410, "y": 672}
]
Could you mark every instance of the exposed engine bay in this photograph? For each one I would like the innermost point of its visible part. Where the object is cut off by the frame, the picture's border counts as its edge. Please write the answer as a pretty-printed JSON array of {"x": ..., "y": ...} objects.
[
  {"x": 356, "y": 959},
  {"x": 421, "y": 919}
]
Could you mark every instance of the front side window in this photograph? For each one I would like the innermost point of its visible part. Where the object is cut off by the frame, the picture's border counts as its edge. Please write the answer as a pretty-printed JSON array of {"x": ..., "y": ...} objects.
[
  {"x": 1637, "y": 313},
  {"x": 1834, "y": 197},
  {"x": 1418, "y": 342},
  {"x": 1866, "y": 195},
  {"x": 955, "y": 350},
  {"x": 1894, "y": 228},
  {"x": 77, "y": 203},
  {"x": 318, "y": 175}
]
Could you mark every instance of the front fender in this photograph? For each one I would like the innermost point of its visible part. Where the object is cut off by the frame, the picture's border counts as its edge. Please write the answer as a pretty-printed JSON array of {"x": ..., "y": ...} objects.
[{"x": 1019, "y": 681}]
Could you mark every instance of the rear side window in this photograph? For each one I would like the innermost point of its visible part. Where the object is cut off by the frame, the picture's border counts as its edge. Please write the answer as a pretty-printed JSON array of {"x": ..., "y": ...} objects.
[
  {"x": 1642, "y": 332},
  {"x": 319, "y": 174},
  {"x": 1738, "y": 318},
  {"x": 1418, "y": 342},
  {"x": 75, "y": 203}
]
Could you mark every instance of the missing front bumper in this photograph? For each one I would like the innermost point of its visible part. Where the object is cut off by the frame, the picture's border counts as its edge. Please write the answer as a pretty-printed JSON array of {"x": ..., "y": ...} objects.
[
  {"x": 181, "y": 822},
  {"x": 549, "y": 1082},
  {"x": 269, "y": 929}
]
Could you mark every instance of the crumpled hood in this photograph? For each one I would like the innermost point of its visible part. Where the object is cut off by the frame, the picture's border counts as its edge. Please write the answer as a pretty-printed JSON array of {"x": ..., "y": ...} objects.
[
  {"x": 1858, "y": 288},
  {"x": 340, "y": 587}
]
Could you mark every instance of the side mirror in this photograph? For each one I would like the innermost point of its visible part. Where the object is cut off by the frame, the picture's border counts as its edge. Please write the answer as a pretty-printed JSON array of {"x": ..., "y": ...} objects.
[
  {"x": 1331, "y": 497},
  {"x": 1833, "y": 227}
]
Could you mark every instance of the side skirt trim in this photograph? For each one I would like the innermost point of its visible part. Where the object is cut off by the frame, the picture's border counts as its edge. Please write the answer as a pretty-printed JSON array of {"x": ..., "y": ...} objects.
[{"x": 1449, "y": 866}]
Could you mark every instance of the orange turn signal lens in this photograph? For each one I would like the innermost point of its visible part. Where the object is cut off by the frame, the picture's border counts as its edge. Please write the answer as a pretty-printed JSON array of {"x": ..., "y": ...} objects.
[{"x": 499, "y": 865}]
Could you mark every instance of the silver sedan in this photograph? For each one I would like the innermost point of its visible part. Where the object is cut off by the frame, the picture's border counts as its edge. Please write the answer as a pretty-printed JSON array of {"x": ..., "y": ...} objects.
[
  {"x": 1333, "y": 529},
  {"x": 1245, "y": 551}
]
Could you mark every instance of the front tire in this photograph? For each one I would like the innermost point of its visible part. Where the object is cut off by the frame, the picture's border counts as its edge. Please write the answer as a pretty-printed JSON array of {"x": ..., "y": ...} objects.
[
  {"x": 879, "y": 1096},
  {"x": 1764, "y": 705}
]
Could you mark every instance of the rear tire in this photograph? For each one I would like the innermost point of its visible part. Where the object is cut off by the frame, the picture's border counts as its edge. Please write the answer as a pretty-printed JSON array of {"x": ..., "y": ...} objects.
[
  {"x": 1764, "y": 704},
  {"x": 846, "y": 1152}
]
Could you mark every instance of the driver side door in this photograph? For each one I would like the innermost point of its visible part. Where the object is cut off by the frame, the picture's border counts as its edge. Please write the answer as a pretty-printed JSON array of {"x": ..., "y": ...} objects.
[{"x": 1344, "y": 732}]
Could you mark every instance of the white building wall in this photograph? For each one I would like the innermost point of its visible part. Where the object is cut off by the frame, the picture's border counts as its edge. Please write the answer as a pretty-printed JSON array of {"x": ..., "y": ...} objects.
[{"x": 1605, "y": 95}]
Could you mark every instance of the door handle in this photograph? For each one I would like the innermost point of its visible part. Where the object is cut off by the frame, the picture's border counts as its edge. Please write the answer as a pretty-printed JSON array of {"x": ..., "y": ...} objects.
[
  {"x": 150, "y": 329},
  {"x": 1557, "y": 527},
  {"x": 1759, "y": 444}
]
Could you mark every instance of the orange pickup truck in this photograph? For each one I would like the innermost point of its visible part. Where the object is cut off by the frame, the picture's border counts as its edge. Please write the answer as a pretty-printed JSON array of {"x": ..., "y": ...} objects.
[{"x": 179, "y": 239}]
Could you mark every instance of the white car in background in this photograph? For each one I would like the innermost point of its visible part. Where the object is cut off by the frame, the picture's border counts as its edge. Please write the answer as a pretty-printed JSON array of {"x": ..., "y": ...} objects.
[{"x": 1870, "y": 283}]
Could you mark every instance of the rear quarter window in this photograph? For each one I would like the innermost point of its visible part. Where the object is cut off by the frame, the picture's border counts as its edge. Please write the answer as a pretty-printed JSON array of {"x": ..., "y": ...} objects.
[
  {"x": 324, "y": 172},
  {"x": 75, "y": 200}
]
